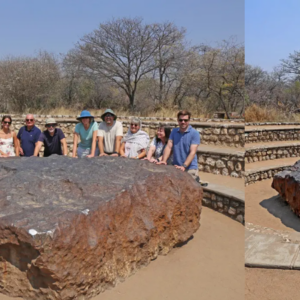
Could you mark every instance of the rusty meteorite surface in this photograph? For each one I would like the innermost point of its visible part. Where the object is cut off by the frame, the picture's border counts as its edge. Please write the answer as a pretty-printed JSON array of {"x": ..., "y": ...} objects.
[
  {"x": 287, "y": 184},
  {"x": 71, "y": 227}
]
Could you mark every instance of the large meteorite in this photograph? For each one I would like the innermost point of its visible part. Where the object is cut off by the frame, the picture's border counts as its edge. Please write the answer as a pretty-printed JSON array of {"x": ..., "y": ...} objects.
[
  {"x": 70, "y": 228},
  {"x": 287, "y": 184}
]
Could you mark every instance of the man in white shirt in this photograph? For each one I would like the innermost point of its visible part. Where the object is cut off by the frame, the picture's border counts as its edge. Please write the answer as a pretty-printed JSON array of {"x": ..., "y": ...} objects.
[{"x": 110, "y": 134}]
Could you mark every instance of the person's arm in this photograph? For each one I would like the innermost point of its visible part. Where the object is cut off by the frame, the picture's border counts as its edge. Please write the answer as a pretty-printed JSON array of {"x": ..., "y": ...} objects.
[
  {"x": 117, "y": 145},
  {"x": 16, "y": 144},
  {"x": 101, "y": 145},
  {"x": 167, "y": 153},
  {"x": 142, "y": 154},
  {"x": 93, "y": 144},
  {"x": 20, "y": 148},
  {"x": 75, "y": 142},
  {"x": 122, "y": 150},
  {"x": 150, "y": 153},
  {"x": 193, "y": 150},
  {"x": 37, "y": 136},
  {"x": 2, "y": 154},
  {"x": 64, "y": 145},
  {"x": 37, "y": 148},
  {"x": 21, "y": 152}
]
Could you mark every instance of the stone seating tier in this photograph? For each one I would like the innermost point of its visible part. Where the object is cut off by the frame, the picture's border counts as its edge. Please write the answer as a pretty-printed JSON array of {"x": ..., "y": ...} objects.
[{"x": 229, "y": 135}]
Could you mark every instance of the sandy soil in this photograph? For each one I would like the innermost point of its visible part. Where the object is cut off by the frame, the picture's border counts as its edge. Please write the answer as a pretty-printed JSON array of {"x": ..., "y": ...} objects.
[
  {"x": 210, "y": 267},
  {"x": 264, "y": 207},
  {"x": 268, "y": 284}
]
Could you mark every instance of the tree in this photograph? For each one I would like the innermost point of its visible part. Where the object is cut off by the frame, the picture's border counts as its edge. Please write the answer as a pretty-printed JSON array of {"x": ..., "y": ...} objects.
[
  {"x": 29, "y": 82},
  {"x": 122, "y": 51},
  {"x": 292, "y": 64},
  {"x": 222, "y": 70},
  {"x": 170, "y": 50}
]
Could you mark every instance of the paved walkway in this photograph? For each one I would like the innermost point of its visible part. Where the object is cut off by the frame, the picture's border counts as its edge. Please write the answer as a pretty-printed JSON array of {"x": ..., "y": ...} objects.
[{"x": 268, "y": 248}]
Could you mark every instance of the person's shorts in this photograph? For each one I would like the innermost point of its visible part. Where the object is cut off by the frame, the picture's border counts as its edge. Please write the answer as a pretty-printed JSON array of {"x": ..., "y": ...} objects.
[
  {"x": 82, "y": 152},
  {"x": 194, "y": 173}
]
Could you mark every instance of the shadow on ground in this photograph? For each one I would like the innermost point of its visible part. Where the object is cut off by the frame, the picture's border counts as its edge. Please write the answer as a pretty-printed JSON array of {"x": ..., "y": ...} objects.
[{"x": 280, "y": 209}]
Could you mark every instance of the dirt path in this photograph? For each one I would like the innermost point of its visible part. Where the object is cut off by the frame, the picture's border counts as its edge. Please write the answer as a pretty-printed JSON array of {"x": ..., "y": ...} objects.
[
  {"x": 268, "y": 284},
  {"x": 265, "y": 208},
  {"x": 210, "y": 267}
]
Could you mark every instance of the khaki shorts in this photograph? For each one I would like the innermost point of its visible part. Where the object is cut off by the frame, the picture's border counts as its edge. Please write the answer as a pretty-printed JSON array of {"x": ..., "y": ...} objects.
[{"x": 194, "y": 173}]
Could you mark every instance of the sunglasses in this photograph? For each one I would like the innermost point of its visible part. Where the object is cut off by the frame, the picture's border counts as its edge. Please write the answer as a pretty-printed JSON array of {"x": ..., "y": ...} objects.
[
  {"x": 183, "y": 120},
  {"x": 50, "y": 125},
  {"x": 5, "y": 122},
  {"x": 29, "y": 120},
  {"x": 134, "y": 125},
  {"x": 108, "y": 115}
]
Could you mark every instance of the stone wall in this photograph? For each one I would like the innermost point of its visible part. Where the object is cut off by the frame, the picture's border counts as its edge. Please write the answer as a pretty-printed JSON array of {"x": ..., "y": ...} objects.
[
  {"x": 231, "y": 135},
  {"x": 271, "y": 123},
  {"x": 227, "y": 205},
  {"x": 221, "y": 163},
  {"x": 269, "y": 153},
  {"x": 262, "y": 174},
  {"x": 272, "y": 135},
  {"x": 159, "y": 119}
]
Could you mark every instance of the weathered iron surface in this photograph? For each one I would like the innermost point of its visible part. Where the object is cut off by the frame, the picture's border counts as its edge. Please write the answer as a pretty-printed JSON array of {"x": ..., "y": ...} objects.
[
  {"x": 70, "y": 228},
  {"x": 287, "y": 184}
]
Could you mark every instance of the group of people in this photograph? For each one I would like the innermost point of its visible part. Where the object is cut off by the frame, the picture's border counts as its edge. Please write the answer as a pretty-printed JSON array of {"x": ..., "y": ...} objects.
[{"x": 177, "y": 146}]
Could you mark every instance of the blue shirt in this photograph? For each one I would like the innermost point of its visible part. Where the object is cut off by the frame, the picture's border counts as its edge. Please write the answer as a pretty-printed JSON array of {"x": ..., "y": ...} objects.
[
  {"x": 28, "y": 138},
  {"x": 86, "y": 136},
  {"x": 181, "y": 146}
]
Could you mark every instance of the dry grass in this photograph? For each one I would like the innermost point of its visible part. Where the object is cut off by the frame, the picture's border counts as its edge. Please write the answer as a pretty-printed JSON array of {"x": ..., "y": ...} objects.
[
  {"x": 164, "y": 112},
  {"x": 255, "y": 113}
]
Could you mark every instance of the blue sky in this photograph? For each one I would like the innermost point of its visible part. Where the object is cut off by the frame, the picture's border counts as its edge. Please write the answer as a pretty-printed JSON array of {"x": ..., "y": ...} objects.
[
  {"x": 271, "y": 31},
  {"x": 27, "y": 26}
]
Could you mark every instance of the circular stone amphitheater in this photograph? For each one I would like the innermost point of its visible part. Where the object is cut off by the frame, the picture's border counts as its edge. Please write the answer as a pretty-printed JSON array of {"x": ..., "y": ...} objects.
[
  {"x": 272, "y": 237},
  {"x": 210, "y": 264}
]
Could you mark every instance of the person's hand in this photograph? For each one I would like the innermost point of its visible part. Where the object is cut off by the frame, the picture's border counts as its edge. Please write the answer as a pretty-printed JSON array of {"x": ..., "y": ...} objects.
[
  {"x": 180, "y": 168},
  {"x": 21, "y": 151},
  {"x": 161, "y": 163},
  {"x": 103, "y": 154},
  {"x": 114, "y": 154},
  {"x": 4, "y": 155},
  {"x": 90, "y": 155}
]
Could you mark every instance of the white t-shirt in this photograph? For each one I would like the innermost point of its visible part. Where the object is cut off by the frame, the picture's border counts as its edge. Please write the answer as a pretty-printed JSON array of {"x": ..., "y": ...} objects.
[{"x": 109, "y": 134}]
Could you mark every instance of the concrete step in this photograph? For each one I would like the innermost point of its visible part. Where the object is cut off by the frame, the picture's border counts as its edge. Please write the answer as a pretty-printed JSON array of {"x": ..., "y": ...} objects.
[
  {"x": 269, "y": 133},
  {"x": 271, "y": 150},
  {"x": 280, "y": 251},
  {"x": 221, "y": 160},
  {"x": 267, "y": 169},
  {"x": 225, "y": 195}
]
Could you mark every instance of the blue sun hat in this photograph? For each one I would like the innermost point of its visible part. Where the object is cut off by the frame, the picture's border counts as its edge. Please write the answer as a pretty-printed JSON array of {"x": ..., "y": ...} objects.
[{"x": 85, "y": 114}]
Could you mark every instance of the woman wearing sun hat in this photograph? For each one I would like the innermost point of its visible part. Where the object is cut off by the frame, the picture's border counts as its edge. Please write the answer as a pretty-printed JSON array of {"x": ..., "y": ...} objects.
[{"x": 87, "y": 130}]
